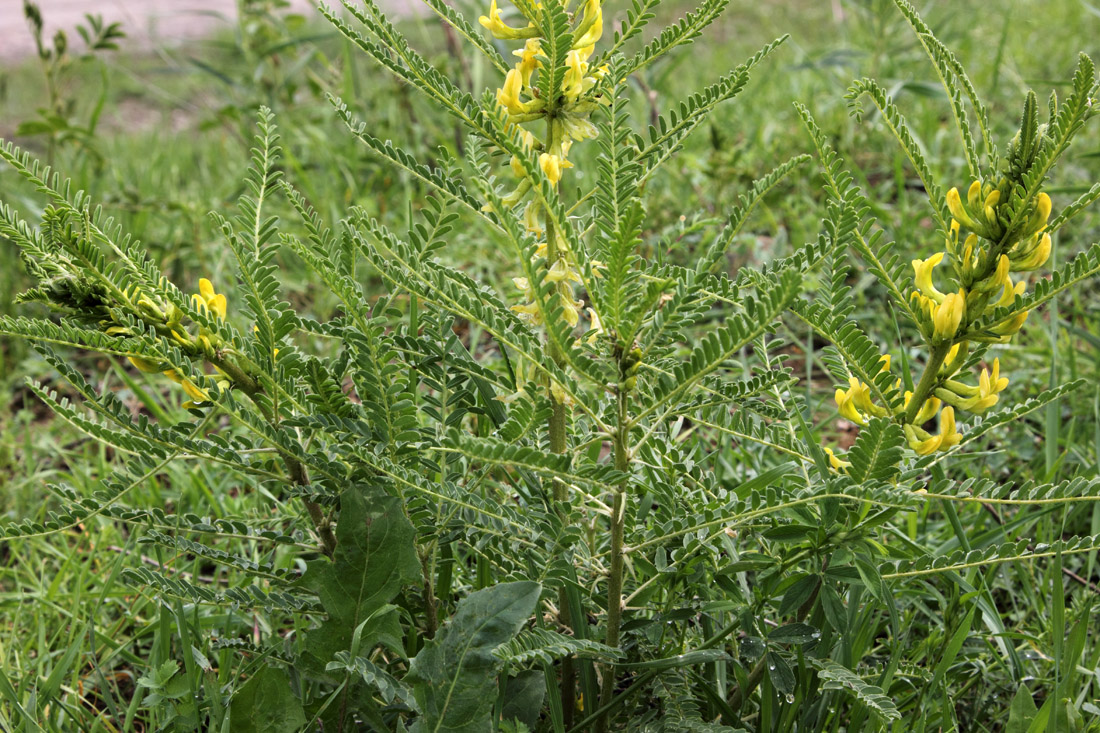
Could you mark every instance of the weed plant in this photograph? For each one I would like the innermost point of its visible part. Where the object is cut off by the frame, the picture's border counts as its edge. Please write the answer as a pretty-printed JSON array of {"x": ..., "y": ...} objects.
[{"x": 607, "y": 496}]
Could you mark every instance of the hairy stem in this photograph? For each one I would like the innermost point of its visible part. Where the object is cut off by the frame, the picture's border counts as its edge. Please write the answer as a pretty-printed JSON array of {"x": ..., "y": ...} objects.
[
  {"x": 431, "y": 605},
  {"x": 927, "y": 381},
  {"x": 615, "y": 575}
]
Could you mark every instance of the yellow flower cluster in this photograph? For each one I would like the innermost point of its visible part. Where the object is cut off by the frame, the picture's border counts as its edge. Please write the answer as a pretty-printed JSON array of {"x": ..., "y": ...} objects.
[
  {"x": 206, "y": 299},
  {"x": 567, "y": 115},
  {"x": 983, "y": 265}
]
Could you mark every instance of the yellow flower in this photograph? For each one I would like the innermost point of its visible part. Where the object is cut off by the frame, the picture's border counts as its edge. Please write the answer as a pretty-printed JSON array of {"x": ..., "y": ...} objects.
[
  {"x": 1010, "y": 326},
  {"x": 498, "y": 28},
  {"x": 927, "y": 411},
  {"x": 948, "y": 315},
  {"x": 955, "y": 205},
  {"x": 572, "y": 85},
  {"x": 1034, "y": 256},
  {"x": 1008, "y": 297},
  {"x": 853, "y": 403},
  {"x": 560, "y": 271},
  {"x": 552, "y": 166},
  {"x": 925, "y": 444},
  {"x": 531, "y": 218},
  {"x": 528, "y": 60},
  {"x": 837, "y": 463},
  {"x": 1039, "y": 217},
  {"x": 189, "y": 387},
  {"x": 923, "y": 272},
  {"x": 149, "y": 367},
  {"x": 597, "y": 327},
  {"x": 207, "y": 299},
  {"x": 509, "y": 95},
  {"x": 591, "y": 27},
  {"x": 996, "y": 281},
  {"x": 571, "y": 310}
]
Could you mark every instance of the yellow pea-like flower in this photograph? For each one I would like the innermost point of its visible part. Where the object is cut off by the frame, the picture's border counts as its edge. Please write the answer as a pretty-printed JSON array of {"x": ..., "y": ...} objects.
[
  {"x": 553, "y": 166},
  {"x": 950, "y": 436},
  {"x": 531, "y": 218},
  {"x": 509, "y": 95},
  {"x": 974, "y": 194},
  {"x": 572, "y": 85},
  {"x": 1040, "y": 216},
  {"x": 838, "y": 464},
  {"x": 500, "y": 29},
  {"x": 955, "y": 206},
  {"x": 144, "y": 365},
  {"x": 1010, "y": 326},
  {"x": 948, "y": 316},
  {"x": 529, "y": 62},
  {"x": 927, "y": 411},
  {"x": 210, "y": 300},
  {"x": 925, "y": 444},
  {"x": 590, "y": 29},
  {"x": 560, "y": 271},
  {"x": 923, "y": 276},
  {"x": 1035, "y": 256}
]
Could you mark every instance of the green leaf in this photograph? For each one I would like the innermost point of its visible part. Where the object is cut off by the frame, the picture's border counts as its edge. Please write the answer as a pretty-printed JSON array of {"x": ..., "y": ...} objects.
[
  {"x": 375, "y": 557},
  {"x": 835, "y": 677},
  {"x": 797, "y": 633},
  {"x": 877, "y": 452},
  {"x": 1022, "y": 711},
  {"x": 781, "y": 674},
  {"x": 798, "y": 593},
  {"x": 265, "y": 704},
  {"x": 454, "y": 675},
  {"x": 523, "y": 696}
]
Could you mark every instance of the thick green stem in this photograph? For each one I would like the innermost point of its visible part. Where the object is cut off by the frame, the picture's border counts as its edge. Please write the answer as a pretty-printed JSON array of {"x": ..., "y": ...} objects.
[
  {"x": 431, "y": 605},
  {"x": 615, "y": 576},
  {"x": 556, "y": 430},
  {"x": 927, "y": 381}
]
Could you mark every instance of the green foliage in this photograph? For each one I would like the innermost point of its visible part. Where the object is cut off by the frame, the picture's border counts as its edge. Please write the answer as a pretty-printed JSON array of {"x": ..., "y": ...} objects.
[
  {"x": 401, "y": 496},
  {"x": 453, "y": 676}
]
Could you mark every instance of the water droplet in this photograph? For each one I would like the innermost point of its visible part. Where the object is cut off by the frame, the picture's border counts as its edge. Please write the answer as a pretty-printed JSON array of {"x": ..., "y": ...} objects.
[
  {"x": 790, "y": 698},
  {"x": 815, "y": 635},
  {"x": 771, "y": 667}
]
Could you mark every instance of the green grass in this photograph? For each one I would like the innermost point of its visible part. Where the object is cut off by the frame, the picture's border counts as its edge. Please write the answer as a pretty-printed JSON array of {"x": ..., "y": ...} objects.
[{"x": 76, "y": 640}]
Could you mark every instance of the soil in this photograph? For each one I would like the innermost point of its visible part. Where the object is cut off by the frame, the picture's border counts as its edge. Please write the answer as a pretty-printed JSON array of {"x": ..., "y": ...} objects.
[{"x": 148, "y": 23}]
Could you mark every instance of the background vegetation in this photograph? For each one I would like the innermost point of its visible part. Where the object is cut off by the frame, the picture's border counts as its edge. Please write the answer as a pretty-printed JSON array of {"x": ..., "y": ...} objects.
[{"x": 162, "y": 138}]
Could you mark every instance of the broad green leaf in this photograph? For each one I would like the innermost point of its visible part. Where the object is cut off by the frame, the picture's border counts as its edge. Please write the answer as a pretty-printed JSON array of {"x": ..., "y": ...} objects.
[
  {"x": 454, "y": 675},
  {"x": 1022, "y": 712},
  {"x": 523, "y": 696},
  {"x": 375, "y": 557},
  {"x": 265, "y": 704}
]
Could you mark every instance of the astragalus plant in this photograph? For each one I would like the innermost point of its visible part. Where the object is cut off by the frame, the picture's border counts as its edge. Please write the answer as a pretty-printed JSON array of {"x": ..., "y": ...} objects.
[{"x": 594, "y": 499}]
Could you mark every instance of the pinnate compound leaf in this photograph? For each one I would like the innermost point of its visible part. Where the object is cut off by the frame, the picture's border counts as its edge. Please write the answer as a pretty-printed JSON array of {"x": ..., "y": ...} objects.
[
  {"x": 834, "y": 676},
  {"x": 877, "y": 452},
  {"x": 265, "y": 704},
  {"x": 454, "y": 675},
  {"x": 375, "y": 557}
]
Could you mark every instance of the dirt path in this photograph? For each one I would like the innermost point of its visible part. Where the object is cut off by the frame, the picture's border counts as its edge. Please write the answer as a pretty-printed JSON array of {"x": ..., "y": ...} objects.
[{"x": 148, "y": 23}]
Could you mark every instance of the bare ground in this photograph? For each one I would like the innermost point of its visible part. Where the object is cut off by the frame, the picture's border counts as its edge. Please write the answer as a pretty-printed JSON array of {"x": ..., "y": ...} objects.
[{"x": 148, "y": 23}]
